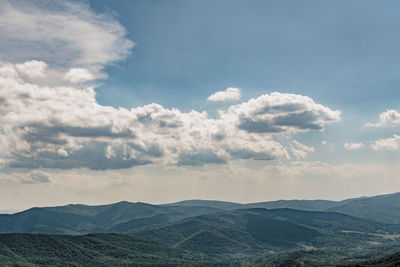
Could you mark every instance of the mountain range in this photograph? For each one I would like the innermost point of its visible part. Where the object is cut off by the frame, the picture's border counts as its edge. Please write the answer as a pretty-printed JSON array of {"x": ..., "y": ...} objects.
[
  {"x": 123, "y": 217},
  {"x": 206, "y": 231}
]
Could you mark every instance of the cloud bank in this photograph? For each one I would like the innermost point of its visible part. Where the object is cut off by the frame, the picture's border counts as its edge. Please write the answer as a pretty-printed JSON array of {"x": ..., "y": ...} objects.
[{"x": 64, "y": 127}]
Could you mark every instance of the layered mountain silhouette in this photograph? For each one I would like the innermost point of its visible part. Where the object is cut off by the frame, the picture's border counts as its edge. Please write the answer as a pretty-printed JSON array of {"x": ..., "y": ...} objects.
[{"x": 124, "y": 216}]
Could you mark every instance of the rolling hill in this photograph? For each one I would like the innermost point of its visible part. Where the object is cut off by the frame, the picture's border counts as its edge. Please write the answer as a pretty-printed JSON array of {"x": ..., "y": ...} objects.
[
  {"x": 230, "y": 232},
  {"x": 80, "y": 219},
  {"x": 256, "y": 230},
  {"x": 382, "y": 208}
]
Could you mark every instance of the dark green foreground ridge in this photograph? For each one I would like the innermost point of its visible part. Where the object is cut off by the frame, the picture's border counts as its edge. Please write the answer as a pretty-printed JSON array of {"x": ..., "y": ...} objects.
[
  {"x": 125, "y": 250},
  {"x": 92, "y": 249}
]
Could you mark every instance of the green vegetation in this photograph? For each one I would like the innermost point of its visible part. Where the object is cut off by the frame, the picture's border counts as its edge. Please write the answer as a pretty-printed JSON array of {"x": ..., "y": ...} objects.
[
  {"x": 269, "y": 230},
  {"x": 252, "y": 231},
  {"x": 384, "y": 208},
  {"x": 93, "y": 249},
  {"x": 392, "y": 259},
  {"x": 125, "y": 250}
]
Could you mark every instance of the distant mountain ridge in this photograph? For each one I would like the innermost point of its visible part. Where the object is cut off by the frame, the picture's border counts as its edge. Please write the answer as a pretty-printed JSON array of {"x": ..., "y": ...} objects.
[
  {"x": 381, "y": 208},
  {"x": 80, "y": 219},
  {"x": 124, "y": 217}
]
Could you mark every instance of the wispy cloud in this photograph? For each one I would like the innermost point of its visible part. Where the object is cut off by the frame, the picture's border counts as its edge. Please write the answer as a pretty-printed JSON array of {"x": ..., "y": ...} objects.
[
  {"x": 300, "y": 150},
  {"x": 64, "y": 33}
]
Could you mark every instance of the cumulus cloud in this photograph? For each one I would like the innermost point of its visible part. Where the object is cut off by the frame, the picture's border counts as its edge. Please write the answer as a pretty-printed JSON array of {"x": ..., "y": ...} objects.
[
  {"x": 33, "y": 68},
  {"x": 388, "y": 118},
  {"x": 64, "y": 127},
  {"x": 280, "y": 113},
  {"x": 63, "y": 33},
  {"x": 353, "y": 146},
  {"x": 78, "y": 75},
  {"x": 229, "y": 94},
  {"x": 391, "y": 144}
]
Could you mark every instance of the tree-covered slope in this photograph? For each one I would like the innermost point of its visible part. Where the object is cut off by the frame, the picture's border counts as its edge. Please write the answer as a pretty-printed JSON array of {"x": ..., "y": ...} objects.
[
  {"x": 238, "y": 231},
  {"x": 256, "y": 230},
  {"x": 382, "y": 208},
  {"x": 87, "y": 250}
]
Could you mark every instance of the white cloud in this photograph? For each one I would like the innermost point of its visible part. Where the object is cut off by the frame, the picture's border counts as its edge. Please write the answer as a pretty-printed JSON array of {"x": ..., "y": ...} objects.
[
  {"x": 279, "y": 113},
  {"x": 63, "y": 33},
  {"x": 353, "y": 146},
  {"x": 228, "y": 95},
  {"x": 33, "y": 68},
  {"x": 391, "y": 144},
  {"x": 65, "y": 127},
  {"x": 300, "y": 150},
  {"x": 78, "y": 75},
  {"x": 388, "y": 118}
]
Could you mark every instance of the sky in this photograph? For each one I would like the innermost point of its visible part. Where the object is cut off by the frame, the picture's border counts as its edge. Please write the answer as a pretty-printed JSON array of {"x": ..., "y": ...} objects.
[{"x": 161, "y": 101}]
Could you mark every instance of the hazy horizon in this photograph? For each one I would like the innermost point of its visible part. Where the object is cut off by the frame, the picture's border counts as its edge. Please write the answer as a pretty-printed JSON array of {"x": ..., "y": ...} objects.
[{"x": 12, "y": 211}]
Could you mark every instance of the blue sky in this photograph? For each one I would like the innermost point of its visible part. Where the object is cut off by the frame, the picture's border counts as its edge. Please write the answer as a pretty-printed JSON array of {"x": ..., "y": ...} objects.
[
  {"x": 341, "y": 53},
  {"x": 161, "y": 101}
]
